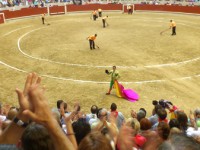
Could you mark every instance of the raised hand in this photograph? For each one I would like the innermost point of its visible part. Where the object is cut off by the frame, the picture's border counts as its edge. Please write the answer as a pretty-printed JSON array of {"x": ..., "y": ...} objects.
[{"x": 23, "y": 97}]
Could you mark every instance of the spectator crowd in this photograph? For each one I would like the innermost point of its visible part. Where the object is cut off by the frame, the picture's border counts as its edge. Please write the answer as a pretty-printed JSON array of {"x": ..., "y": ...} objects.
[{"x": 36, "y": 126}]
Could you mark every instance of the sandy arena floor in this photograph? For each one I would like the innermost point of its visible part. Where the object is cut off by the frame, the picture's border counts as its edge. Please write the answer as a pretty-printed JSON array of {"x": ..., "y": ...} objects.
[{"x": 156, "y": 66}]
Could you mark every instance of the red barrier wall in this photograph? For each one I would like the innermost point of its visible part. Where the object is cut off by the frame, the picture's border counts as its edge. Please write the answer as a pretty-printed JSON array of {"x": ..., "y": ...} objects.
[
  {"x": 24, "y": 12},
  {"x": 1, "y": 18},
  {"x": 184, "y": 9},
  {"x": 57, "y": 9},
  {"x": 91, "y": 7}
]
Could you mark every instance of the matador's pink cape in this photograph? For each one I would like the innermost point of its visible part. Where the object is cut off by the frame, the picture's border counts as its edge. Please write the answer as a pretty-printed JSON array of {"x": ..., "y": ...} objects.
[{"x": 128, "y": 94}]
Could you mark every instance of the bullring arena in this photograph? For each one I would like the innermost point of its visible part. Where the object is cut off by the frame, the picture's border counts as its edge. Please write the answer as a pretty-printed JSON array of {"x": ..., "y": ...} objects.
[{"x": 157, "y": 66}]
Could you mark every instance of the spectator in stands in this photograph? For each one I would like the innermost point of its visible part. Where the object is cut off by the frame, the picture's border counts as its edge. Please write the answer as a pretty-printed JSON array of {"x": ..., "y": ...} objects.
[
  {"x": 141, "y": 114},
  {"x": 36, "y": 137},
  {"x": 180, "y": 141},
  {"x": 138, "y": 139},
  {"x": 174, "y": 123},
  {"x": 93, "y": 116},
  {"x": 118, "y": 115},
  {"x": 81, "y": 128},
  {"x": 162, "y": 117},
  {"x": 183, "y": 121},
  {"x": 95, "y": 141},
  {"x": 32, "y": 103},
  {"x": 163, "y": 130},
  {"x": 154, "y": 118}
]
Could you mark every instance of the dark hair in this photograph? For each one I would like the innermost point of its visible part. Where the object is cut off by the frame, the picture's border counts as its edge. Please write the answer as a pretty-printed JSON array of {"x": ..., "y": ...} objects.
[
  {"x": 59, "y": 103},
  {"x": 81, "y": 129},
  {"x": 144, "y": 111},
  {"x": 162, "y": 102},
  {"x": 100, "y": 110},
  {"x": 162, "y": 114},
  {"x": 157, "y": 107},
  {"x": 94, "y": 109},
  {"x": 140, "y": 115},
  {"x": 182, "y": 119},
  {"x": 65, "y": 105},
  {"x": 174, "y": 123},
  {"x": 113, "y": 107},
  {"x": 145, "y": 124},
  {"x": 95, "y": 141},
  {"x": 36, "y": 137},
  {"x": 183, "y": 142},
  {"x": 163, "y": 130}
]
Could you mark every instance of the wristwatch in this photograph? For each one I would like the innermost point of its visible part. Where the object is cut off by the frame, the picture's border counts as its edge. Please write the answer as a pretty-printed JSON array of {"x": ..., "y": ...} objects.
[{"x": 20, "y": 122}]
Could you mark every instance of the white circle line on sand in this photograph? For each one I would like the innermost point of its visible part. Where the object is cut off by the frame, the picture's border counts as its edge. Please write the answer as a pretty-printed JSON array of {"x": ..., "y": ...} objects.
[
  {"x": 89, "y": 66},
  {"x": 96, "y": 82},
  {"x": 15, "y": 30}
]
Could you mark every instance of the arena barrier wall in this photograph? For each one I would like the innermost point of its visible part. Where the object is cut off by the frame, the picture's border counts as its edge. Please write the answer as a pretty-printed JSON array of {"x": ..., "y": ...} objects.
[
  {"x": 90, "y": 7},
  {"x": 2, "y": 18},
  {"x": 170, "y": 8}
]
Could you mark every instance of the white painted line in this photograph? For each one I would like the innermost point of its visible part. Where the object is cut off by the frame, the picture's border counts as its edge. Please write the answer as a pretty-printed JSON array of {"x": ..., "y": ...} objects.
[
  {"x": 15, "y": 30},
  {"x": 96, "y": 82},
  {"x": 89, "y": 66},
  {"x": 14, "y": 68}
]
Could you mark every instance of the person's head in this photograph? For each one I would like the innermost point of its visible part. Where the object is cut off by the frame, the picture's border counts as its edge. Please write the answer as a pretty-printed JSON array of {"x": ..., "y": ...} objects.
[
  {"x": 107, "y": 16},
  {"x": 156, "y": 108},
  {"x": 141, "y": 114},
  {"x": 95, "y": 35},
  {"x": 180, "y": 141},
  {"x": 144, "y": 111},
  {"x": 12, "y": 113},
  {"x": 77, "y": 106},
  {"x": 145, "y": 124},
  {"x": 134, "y": 124},
  {"x": 170, "y": 20},
  {"x": 183, "y": 120},
  {"x": 65, "y": 106},
  {"x": 113, "y": 107},
  {"x": 174, "y": 123},
  {"x": 81, "y": 129},
  {"x": 102, "y": 114},
  {"x": 197, "y": 113},
  {"x": 94, "y": 109},
  {"x": 163, "y": 130},
  {"x": 36, "y": 137},
  {"x": 95, "y": 141},
  {"x": 114, "y": 67},
  {"x": 59, "y": 102},
  {"x": 162, "y": 114}
]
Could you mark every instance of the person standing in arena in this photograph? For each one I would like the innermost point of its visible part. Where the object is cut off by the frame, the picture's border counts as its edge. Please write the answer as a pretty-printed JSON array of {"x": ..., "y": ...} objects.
[
  {"x": 173, "y": 27},
  {"x": 129, "y": 9},
  {"x": 114, "y": 76},
  {"x": 104, "y": 20},
  {"x": 91, "y": 41},
  {"x": 94, "y": 14},
  {"x": 100, "y": 12},
  {"x": 43, "y": 18}
]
